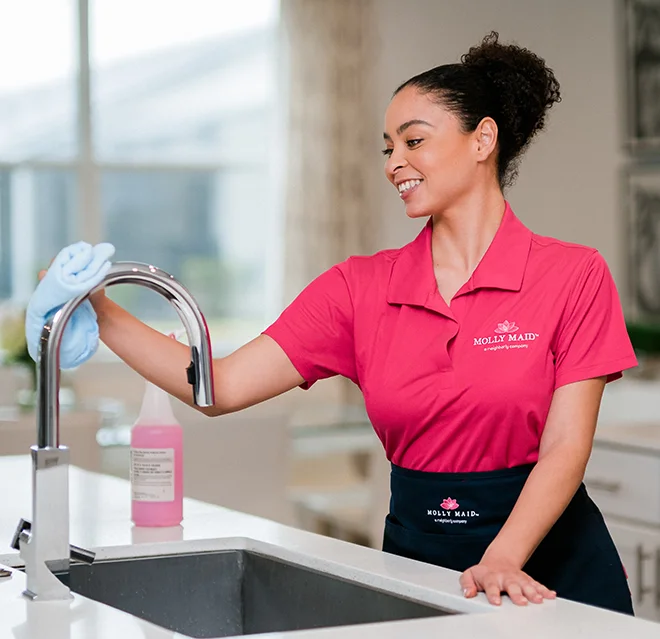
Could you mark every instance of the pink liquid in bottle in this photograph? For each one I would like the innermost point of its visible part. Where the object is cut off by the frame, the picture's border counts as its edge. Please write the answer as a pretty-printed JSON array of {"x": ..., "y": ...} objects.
[{"x": 156, "y": 463}]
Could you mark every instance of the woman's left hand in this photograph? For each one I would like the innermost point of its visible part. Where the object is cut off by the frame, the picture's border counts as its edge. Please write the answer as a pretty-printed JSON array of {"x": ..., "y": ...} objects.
[{"x": 497, "y": 576}]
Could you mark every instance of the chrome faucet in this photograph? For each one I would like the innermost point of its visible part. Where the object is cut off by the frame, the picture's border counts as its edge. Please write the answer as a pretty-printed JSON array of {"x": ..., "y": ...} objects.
[{"x": 44, "y": 542}]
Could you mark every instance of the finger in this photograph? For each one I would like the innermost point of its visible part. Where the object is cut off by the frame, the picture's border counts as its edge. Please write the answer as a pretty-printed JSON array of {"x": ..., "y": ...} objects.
[
  {"x": 532, "y": 593},
  {"x": 546, "y": 593},
  {"x": 42, "y": 274},
  {"x": 493, "y": 593},
  {"x": 515, "y": 593},
  {"x": 468, "y": 584}
]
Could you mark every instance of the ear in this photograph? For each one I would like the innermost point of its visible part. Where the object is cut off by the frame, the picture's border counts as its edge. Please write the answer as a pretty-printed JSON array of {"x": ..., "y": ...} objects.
[{"x": 485, "y": 138}]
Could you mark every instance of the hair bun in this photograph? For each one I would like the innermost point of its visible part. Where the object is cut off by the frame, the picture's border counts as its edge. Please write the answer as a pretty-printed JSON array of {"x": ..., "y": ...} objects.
[
  {"x": 505, "y": 82},
  {"x": 525, "y": 86}
]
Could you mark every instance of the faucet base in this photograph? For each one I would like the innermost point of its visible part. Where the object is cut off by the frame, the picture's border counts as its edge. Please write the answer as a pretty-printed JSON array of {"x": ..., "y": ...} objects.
[{"x": 45, "y": 547}]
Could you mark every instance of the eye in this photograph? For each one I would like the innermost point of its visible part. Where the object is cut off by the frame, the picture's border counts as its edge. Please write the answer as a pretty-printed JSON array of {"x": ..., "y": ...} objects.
[
  {"x": 414, "y": 142},
  {"x": 387, "y": 152}
]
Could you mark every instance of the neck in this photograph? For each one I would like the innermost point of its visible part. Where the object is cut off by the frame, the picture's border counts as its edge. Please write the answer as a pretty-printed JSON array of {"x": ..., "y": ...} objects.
[{"x": 463, "y": 232}]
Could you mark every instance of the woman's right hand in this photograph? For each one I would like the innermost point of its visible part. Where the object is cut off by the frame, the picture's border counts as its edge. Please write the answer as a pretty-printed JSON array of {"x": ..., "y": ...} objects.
[
  {"x": 99, "y": 295},
  {"x": 76, "y": 270}
]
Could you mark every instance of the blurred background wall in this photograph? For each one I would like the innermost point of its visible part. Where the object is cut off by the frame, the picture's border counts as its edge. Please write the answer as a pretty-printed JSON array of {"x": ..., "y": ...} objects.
[{"x": 569, "y": 183}]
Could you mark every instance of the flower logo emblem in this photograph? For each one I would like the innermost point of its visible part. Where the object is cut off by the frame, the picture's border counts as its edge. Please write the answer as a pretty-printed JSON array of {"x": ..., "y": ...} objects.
[
  {"x": 506, "y": 327},
  {"x": 449, "y": 504}
]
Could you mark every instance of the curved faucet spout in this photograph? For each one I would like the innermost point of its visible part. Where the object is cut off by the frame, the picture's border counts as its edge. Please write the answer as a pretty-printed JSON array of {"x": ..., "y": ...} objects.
[
  {"x": 200, "y": 371},
  {"x": 45, "y": 545}
]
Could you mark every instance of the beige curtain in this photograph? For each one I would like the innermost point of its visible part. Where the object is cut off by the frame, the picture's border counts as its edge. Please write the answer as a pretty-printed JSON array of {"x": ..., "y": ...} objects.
[{"x": 329, "y": 211}]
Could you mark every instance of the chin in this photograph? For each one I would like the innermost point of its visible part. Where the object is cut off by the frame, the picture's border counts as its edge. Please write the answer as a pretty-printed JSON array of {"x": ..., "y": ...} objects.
[{"x": 415, "y": 212}]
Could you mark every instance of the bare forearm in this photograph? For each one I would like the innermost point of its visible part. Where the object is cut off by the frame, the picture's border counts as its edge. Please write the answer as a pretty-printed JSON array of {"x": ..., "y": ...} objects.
[
  {"x": 257, "y": 371},
  {"x": 151, "y": 354},
  {"x": 548, "y": 490}
]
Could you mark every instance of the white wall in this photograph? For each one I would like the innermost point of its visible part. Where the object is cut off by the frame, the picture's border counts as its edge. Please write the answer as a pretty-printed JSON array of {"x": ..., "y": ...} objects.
[{"x": 569, "y": 181}]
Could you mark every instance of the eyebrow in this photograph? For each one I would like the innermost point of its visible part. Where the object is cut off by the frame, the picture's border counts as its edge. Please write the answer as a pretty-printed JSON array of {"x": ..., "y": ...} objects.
[{"x": 407, "y": 125}]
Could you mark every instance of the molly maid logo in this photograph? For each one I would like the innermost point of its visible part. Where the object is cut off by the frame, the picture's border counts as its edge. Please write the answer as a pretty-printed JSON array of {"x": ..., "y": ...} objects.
[
  {"x": 505, "y": 335},
  {"x": 450, "y": 513},
  {"x": 449, "y": 504},
  {"x": 506, "y": 327}
]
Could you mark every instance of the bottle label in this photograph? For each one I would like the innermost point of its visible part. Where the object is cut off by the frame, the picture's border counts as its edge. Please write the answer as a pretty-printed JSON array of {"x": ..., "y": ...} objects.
[{"x": 152, "y": 474}]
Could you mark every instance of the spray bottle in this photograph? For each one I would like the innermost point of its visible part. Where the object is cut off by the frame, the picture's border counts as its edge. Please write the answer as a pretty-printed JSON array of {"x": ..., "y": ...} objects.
[{"x": 156, "y": 462}]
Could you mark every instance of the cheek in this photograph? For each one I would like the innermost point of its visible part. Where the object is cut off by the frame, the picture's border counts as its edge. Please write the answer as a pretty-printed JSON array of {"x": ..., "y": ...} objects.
[
  {"x": 444, "y": 161},
  {"x": 449, "y": 175},
  {"x": 456, "y": 171}
]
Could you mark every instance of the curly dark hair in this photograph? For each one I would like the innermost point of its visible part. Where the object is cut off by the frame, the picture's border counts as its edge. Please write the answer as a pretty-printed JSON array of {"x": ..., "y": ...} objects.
[{"x": 506, "y": 82}]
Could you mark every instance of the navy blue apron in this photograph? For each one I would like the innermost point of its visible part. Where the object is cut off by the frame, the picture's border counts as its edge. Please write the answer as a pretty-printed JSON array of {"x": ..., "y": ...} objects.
[{"x": 449, "y": 519}]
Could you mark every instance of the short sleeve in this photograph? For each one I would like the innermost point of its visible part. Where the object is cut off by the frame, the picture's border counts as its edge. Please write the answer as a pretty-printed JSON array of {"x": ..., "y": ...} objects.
[
  {"x": 316, "y": 329},
  {"x": 592, "y": 340}
]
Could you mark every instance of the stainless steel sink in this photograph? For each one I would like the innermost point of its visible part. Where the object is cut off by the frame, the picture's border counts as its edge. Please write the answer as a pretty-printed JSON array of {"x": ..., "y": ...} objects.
[{"x": 236, "y": 592}]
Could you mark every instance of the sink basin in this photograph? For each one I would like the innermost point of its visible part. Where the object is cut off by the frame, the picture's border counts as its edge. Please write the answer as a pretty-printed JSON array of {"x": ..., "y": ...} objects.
[{"x": 236, "y": 592}]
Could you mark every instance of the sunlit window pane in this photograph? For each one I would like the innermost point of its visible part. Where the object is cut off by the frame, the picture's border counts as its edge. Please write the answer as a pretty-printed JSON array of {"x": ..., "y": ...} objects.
[
  {"x": 181, "y": 81},
  {"x": 206, "y": 228},
  {"x": 35, "y": 223},
  {"x": 37, "y": 82}
]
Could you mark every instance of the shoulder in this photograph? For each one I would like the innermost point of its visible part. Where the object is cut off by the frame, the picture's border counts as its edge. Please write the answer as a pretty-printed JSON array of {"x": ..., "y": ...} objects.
[
  {"x": 568, "y": 260},
  {"x": 358, "y": 270},
  {"x": 575, "y": 276},
  {"x": 357, "y": 279}
]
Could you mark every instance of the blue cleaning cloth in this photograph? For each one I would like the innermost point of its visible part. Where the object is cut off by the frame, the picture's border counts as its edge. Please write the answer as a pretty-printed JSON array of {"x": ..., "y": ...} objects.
[{"x": 76, "y": 270}]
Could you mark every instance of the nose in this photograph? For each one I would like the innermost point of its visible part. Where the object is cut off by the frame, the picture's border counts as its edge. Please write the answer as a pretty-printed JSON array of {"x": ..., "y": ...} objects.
[{"x": 395, "y": 162}]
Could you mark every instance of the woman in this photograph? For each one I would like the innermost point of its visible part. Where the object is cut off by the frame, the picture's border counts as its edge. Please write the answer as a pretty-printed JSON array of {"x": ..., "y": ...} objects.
[{"x": 481, "y": 348}]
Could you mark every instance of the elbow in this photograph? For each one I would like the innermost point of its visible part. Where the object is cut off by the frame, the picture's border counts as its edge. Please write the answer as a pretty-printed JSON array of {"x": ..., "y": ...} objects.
[
  {"x": 221, "y": 407},
  {"x": 218, "y": 407},
  {"x": 210, "y": 411}
]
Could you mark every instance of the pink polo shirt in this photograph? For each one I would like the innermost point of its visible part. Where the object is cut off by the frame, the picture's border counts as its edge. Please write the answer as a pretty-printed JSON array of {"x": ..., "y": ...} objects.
[{"x": 465, "y": 387}]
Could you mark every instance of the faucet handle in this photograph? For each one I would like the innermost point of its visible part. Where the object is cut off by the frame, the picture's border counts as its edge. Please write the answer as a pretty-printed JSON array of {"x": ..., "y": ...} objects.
[
  {"x": 23, "y": 531},
  {"x": 82, "y": 554}
]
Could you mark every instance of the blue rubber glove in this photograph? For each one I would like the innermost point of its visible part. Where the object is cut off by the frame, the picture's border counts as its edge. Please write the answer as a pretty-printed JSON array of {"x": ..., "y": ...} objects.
[{"x": 76, "y": 270}]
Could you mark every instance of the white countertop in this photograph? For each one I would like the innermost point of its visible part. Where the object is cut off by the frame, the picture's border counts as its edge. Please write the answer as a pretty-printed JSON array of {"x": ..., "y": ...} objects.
[{"x": 100, "y": 507}]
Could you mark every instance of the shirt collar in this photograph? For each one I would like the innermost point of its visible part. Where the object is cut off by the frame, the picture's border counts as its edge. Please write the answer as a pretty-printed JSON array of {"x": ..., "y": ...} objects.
[{"x": 503, "y": 265}]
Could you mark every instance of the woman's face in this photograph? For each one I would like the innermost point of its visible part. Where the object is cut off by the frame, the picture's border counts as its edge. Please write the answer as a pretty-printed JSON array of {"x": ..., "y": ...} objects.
[{"x": 430, "y": 160}]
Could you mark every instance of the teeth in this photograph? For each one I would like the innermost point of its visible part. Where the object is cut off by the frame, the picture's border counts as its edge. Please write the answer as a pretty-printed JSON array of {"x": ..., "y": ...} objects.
[{"x": 404, "y": 186}]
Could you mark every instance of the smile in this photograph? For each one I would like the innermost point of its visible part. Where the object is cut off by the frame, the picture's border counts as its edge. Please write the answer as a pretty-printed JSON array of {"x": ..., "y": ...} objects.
[{"x": 407, "y": 188}]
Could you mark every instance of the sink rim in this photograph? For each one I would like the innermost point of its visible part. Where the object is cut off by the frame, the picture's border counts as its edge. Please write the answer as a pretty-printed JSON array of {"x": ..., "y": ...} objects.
[
  {"x": 397, "y": 580},
  {"x": 316, "y": 570}
]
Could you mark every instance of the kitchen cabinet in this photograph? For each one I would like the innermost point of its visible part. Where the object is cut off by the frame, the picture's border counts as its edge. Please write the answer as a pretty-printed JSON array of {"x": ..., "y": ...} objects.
[
  {"x": 623, "y": 478},
  {"x": 639, "y": 547}
]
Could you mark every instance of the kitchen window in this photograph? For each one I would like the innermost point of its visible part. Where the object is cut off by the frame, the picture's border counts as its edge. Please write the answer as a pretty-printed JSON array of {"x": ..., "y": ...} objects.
[{"x": 152, "y": 125}]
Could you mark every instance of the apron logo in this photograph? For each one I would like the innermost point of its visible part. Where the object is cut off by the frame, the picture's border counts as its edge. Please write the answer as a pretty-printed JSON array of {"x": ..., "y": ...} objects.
[
  {"x": 450, "y": 513},
  {"x": 506, "y": 337}
]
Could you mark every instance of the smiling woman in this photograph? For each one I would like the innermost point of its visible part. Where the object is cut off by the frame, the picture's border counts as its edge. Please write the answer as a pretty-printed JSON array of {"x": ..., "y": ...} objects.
[
  {"x": 444, "y": 335},
  {"x": 497, "y": 97},
  {"x": 481, "y": 348}
]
